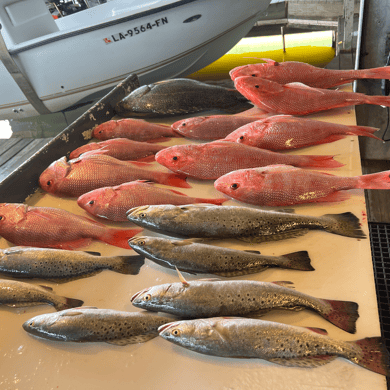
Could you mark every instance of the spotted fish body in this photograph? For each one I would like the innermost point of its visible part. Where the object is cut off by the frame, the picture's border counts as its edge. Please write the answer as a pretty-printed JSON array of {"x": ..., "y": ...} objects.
[
  {"x": 20, "y": 294},
  {"x": 179, "y": 97},
  {"x": 204, "y": 298},
  {"x": 62, "y": 265},
  {"x": 96, "y": 325},
  {"x": 243, "y": 223},
  {"x": 278, "y": 343},
  {"x": 194, "y": 257}
]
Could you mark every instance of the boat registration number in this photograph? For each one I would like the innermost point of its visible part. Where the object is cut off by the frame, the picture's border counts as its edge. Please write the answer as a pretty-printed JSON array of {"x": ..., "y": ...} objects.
[{"x": 136, "y": 30}]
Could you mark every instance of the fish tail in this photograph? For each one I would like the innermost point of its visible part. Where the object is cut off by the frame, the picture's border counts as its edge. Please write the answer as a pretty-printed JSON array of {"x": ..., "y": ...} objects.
[
  {"x": 345, "y": 224},
  {"x": 343, "y": 314},
  {"x": 67, "y": 303},
  {"x": 174, "y": 179},
  {"x": 217, "y": 201},
  {"x": 375, "y": 73},
  {"x": 119, "y": 237},
  {"x": 298, "y": 260},
  {"x": 318, "y": 162},
  {"x": 129, "y": 265},
  {"x": 364, "y": 131},
  {"x": 377, "y": 100},
  {"x": 374, "y": 355},
  {"x": 374, "y": 181}
]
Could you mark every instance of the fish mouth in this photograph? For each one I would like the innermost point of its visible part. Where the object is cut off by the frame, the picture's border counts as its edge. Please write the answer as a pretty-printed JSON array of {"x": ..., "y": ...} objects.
[
  {"x": 135, "y": 209},
  {"x": 139, "y": 293},
  {"x": 165, "y": 327}
]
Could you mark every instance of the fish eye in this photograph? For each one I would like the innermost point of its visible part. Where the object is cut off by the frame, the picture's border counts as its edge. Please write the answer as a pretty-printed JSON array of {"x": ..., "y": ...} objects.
[
  {"x": 183, "y": 124},
  {"x": 142, "y": 215},
  {"x": 176, "y": 332},
  {"x": 253, "y": 75},
  {"x": 242, "y": 137},
  {"x": 142, "y": 243},
  {"x": 49, "y": 183},
  {"x": 256, "y": 86},
  {"x": 147, "y": 297},
  {"x": 101, "y": 131},
  {"x": 174, "y": 158},
  {"x": 91, "y": 202},
  {"x": 234, "y": 186},
  {"x": 2, "y": 218},
  {"x": 31, "y": 323}
]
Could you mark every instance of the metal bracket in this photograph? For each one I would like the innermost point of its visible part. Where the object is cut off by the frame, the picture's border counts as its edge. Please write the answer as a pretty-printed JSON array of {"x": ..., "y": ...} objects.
[{"x": 20, "y": 79}]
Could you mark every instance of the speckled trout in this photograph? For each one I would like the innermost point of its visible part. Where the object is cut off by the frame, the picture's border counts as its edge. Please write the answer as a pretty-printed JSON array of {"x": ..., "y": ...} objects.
[
  {"x": 213, "y": 298},
  {"x": 243, "y": 223},
  {"x": 94, "y": 325},
  {"x": 287, "y": 345},
  {"x": 194, "y": 257},
  {"x": 62, "y": 265},
  {"x": 20, "y": 294}
]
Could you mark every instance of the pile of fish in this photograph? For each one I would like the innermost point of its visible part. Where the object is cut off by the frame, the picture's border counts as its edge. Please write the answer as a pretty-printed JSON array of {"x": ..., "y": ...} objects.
[{"x": 245, "y": 154}]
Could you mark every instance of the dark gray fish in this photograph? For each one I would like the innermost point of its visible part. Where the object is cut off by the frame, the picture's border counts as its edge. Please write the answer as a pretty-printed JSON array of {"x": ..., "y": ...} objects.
[
  {"x": 215, "y": 298},
  {"x": 86, "y": 324},
  {"x": 62, "y": 265},
  {"x": 288, "y": 345},
  {"x": 243, "y": 223},
  {"x": 194, "y": 257},
  {"x": 20, "y": 294},
  {"x": 179, "y": 97}
]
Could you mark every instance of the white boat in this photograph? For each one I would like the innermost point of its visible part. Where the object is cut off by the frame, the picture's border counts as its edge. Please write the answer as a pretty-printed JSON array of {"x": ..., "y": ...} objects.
[{"x": 49, "y": 65}]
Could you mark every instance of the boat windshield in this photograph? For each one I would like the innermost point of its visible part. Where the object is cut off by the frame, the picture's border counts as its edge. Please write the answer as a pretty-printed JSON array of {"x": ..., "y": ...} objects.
[{"x": 62, "y": 8}]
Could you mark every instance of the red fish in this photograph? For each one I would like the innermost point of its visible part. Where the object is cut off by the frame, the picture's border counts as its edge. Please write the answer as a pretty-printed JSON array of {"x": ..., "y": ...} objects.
[
  {"x": 78, "y": 176},
  {"x": 299, "y": 99},
  {"x": 212, "y": 127},
  {"x": 283, "y": 185},
  {"x": 120, "y": 148},
  {"x": 113, "y": 202},
  {"x": 212, "y": 160},
  {"x": 48, "y": 227},
  {"x": 291, "y": 71},
  {"x": 134, "y": 129},
  {"x": 285, "y": 132}
]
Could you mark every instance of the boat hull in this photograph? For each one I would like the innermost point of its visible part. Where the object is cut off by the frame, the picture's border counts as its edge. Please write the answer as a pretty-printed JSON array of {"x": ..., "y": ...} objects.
[{"x": 174, "y": 42}]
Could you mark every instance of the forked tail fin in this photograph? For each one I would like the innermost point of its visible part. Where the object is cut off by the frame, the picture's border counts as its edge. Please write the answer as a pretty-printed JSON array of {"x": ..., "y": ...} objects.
[
  {"x": 375, "y": 181},
  {"x": 129, "y": 265},
  {"x": 298, "y": 260},
  {"x": 343, "y": 314},
  {"x": 67, "y": 303},
  {"x": 345, "y": 224}
]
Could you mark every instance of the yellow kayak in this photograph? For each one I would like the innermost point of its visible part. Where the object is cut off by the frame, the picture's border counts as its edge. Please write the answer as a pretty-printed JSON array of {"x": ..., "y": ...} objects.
[{"x": 313, "y": 48}]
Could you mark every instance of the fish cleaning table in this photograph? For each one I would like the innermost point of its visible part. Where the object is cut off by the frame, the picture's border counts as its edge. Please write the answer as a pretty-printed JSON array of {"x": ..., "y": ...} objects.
[{"x": 343, "y": 270}]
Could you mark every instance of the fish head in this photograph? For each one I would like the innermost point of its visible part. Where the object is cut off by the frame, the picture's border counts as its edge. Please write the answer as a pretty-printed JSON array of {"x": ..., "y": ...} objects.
[
  {"x": 149, "y": 216},
  {"x": 250, "y": 134},
  {"x": 158, "y": 298},
  {"x": 43, "y": 325},
  {"x": 105, "y": 131},
  {"x": 96, "y": 202},
  {"x": 179, "y": 332},
  {"x": 51, "y": 178},
  {"x": 185, "y": 126},
  {"x": 238, "y": 182},
  {"x": 250, "y": 70},
  {"x": 178, "y": 158},
  {"x": 141, "y": 243},
  {"x": 11, "y": 214},
  {"x": 254, "y": 86},
  {"x": 135, "y": 102}
]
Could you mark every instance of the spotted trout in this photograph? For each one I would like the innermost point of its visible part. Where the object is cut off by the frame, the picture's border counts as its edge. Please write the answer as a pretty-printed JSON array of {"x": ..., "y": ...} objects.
[
  {"x": 62, "y": 265},
  {"x": 96, "y": 325},
  {"x": 215, "y": 298},
  {"x": 243, "y": 223},
  {"x": 20, "y": 294},
  {"x": 287, "y": 345},
  {"x": 179, "y": 97},
  {"x": 194, "y": 257}
]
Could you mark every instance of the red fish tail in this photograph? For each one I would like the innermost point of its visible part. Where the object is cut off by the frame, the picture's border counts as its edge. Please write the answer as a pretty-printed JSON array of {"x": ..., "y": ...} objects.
[
  {"x": 375, "y": 181},
  {"x": 119, "y": 237},
  {"x": 174, "y": 179},
  {"x": 374, "y": 355},
  {"x": 217, "y": 201},
  {"x": 318, "y": 162},
  {"x": 377, "y": 100},
  {"x": 343, "y": 314},
  {"x": 375, "y": 73},
  {"x": 364, "y": 131}
]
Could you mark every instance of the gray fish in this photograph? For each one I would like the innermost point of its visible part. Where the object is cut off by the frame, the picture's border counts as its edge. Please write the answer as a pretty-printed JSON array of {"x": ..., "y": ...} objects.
[
  {"x": 179, "y": 97},
  {"x": 287, "y": 345},
  {"x": 62, "y": 265},
  {"x": 194, "y": 257},
  {"x": 214, "y": 298},
  {"x": 90, "y": 324},
  {"x": 243, "y": 223},
  {"x": 20, "y": 294}
]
